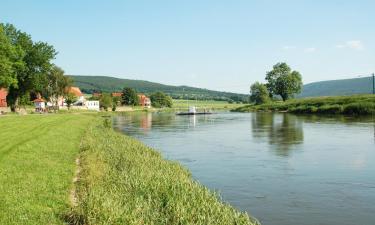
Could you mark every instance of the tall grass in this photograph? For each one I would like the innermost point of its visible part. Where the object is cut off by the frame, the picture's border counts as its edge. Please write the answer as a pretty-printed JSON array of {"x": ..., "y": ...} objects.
[
  {"x": 123, "y": 181},
  {"x": 351, "y": 105}
]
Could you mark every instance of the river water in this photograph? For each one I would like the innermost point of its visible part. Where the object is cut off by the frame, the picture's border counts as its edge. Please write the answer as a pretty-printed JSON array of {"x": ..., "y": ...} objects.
[{"x": 281, "y": 168}]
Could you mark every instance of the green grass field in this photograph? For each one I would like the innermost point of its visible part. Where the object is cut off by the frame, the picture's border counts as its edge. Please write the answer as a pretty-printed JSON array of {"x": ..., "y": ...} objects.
[
  {"x": 121, "y": 181},
  {"x": 37, "y": 154},
  {"x": 350, "y": 105}
]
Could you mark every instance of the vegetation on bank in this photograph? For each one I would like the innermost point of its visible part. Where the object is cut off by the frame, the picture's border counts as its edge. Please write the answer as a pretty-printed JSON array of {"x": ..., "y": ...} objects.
[
  {"x": 200, "y": 104},
  {"x": 122, "y": 181},
  {"x": 37, "y": 164},
  {"x": 350, "y": 105}
]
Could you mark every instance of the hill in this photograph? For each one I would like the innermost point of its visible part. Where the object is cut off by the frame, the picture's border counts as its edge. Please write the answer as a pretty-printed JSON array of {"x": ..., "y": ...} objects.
[
  {"x": 90, "y": 84},
  {"x": 338, "y": 87}
]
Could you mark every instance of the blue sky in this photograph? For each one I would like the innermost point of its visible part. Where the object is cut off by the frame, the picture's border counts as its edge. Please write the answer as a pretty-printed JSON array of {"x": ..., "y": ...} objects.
[{"x": 222, "y": 45}]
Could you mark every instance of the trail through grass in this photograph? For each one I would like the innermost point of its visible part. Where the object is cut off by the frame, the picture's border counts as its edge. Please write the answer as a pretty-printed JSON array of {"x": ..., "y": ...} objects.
[{"x": 37, "y": 162}]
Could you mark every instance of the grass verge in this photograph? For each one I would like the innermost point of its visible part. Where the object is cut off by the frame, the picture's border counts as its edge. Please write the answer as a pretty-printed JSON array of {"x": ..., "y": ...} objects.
[
  {"x": 37, "y": 154},
  {"x": 349, "y": 105},
  {"x": 122, "y": 181}
]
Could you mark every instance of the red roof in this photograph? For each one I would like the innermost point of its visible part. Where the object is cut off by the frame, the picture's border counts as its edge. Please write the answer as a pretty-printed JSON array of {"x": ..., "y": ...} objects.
[
  {"x": 75, "y": 90},
  {"x": 116, "y": 94},
  {"x": 39, "y": 100}
]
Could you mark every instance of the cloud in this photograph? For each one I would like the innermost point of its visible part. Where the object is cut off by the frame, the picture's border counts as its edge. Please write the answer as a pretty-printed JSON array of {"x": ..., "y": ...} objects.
[
  {"x": 310, "y": 50},
  {"x": 287, "y": 48},
  {"x": 354, "y": 44}
]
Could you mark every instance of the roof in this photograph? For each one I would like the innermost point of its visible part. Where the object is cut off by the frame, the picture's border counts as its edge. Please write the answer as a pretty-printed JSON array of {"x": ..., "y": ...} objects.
[
  {"x": 116, "y": 94},
  {"x": 75, "y": 90},
  {"x": 39, "y": 100}
]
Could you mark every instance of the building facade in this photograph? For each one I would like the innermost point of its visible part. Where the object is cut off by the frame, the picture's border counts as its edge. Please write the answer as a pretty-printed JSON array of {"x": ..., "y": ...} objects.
[{"x": 3, "y": 97}]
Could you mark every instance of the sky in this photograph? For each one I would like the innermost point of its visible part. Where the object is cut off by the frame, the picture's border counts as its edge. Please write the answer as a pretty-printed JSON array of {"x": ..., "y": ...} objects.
[{"x": 214, "y": 44}]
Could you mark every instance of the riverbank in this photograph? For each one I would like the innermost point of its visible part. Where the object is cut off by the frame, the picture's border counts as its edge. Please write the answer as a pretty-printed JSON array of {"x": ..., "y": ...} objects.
[
  {"x": 119, "y": 179},
  {"x": 349, "y": 105}
]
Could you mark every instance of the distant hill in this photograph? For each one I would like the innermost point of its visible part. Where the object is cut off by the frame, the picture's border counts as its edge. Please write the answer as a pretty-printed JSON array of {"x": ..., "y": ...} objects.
[
  {"x": 338, "y": 87},
  {"x": 90, "y": 84}
]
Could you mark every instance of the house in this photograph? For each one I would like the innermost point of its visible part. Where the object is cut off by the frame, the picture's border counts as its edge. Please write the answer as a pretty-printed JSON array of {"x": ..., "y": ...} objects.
[
  {"x": 144, "y": 100},
  {"x": 3, "y": 97},
  {"x": 40, "y": 104},
  {"x": 92, "y": 105},
  {"x": 96, "y": 94},
  {"x": 77, "y": 92}
]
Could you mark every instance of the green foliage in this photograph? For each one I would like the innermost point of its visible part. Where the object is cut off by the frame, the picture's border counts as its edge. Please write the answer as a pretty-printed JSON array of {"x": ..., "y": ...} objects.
[
  {"x": 30, "y": 66},
  {"x": 105, "y": 101},
  {"x": 57, "y": 85},
  {"x": 130, "y": 97},
  {"x": 70, "y": 99},
  {"x": 351, "y": 105},
  {"x": 125, "y": 182},
  {"x": 91, "y": 84},
  {"x": 259, "y": 93},
  {"x": 160, "y": 100},
  {"x": 283, "y": 81}
]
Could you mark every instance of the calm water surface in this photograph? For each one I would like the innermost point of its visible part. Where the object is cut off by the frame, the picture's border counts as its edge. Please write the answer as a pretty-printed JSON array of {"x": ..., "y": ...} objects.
[{"x": 281, "y": 168}]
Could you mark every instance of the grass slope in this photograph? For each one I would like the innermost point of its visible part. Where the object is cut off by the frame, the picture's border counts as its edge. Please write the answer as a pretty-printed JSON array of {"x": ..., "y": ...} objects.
[
  {"x": 90, "y": 84},
  {"x": 37, "y": 155},
  {"x": 352, "y": 105},
  {"x": 124, "y": 182},
  {"x": 338, "y": 87}
]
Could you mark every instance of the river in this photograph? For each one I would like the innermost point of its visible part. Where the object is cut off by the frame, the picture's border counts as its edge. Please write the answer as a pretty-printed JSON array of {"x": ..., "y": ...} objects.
[{"x": 281, "y": 168}]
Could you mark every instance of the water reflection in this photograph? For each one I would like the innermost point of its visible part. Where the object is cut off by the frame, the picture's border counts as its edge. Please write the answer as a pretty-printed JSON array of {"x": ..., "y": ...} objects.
[{"x": 283, "y": 131}]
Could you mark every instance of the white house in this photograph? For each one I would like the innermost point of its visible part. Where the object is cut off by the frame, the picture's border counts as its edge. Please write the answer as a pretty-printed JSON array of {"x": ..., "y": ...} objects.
[{"x": 92, "y": 105}]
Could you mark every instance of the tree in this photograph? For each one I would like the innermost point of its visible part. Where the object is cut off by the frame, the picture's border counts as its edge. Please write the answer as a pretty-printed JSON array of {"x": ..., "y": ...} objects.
[
  {"x": 70, "y": 99},
  {"x": 31, "y": 64},
  {"x": 129, "y": 97},
  {"x": 283, "y": 81},
  {"x": 57, "y": 85},
  {"x": 105, "y": 101},
  {"x": 160, "y": 99},
  {"x": 9, "y": 60},
  {"x": 259, "y": 93}
]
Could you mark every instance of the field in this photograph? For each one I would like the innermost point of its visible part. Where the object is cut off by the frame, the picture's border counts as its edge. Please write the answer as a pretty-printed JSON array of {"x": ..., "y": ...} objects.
[
  {"x": 350, "y": 105},
  {"x": 201, "y": 104},
  {"x": 37, "y": 155},
  {"x": 121, "y": 181}
]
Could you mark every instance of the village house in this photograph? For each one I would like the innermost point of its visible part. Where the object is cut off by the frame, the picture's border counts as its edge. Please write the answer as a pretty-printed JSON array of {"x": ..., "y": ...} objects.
[
  {"x": 3, "y": 97},
  {"x": 39, "y": 104},
  {"x": 144, "y": 100}
]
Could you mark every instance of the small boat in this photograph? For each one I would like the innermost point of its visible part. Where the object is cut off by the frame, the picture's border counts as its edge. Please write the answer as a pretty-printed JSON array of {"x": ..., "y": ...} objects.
[{"x": 193, "y": 111}]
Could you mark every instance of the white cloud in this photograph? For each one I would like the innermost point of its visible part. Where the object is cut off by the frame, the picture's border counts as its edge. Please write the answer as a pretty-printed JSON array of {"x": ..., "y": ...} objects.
[
  {"x": 287, "y": 47},
  {"x": 310, "y": 50},
  {"x": 353, "y": 44}
]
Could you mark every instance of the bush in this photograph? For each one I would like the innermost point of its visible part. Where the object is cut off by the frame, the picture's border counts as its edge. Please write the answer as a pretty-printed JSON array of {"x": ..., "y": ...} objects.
[
  {"x": 359, "y": 108},
  {"x": 330, "y": 109}
]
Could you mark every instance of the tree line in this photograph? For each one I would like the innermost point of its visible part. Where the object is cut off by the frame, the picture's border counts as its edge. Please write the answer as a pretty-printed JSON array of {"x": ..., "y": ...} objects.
[
  {"x": 130, "y": 97},
  {"x": 282, "y": 82},
  {"x": 26, "y": 68}
]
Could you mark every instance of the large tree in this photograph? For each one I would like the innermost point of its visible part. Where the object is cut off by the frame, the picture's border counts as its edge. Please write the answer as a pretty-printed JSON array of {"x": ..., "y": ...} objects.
[
  {"x": 283, "y": 81},
  {"x": 129, "y": 97},
  {"x": 259, "y": 93},
  {"x": 32, "y": 69}
]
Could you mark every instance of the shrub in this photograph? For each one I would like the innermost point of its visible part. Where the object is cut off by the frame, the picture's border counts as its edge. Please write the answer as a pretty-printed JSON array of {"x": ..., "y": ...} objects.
[
  {"x": 359, "y": 108},
  {"x": 330, "y": 109}
]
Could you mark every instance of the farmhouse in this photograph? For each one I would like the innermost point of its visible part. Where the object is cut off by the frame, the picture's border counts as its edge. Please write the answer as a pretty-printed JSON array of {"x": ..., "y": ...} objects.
[
  {"x": 144, "y": 100},
  {"x": 3, "y": 97}
]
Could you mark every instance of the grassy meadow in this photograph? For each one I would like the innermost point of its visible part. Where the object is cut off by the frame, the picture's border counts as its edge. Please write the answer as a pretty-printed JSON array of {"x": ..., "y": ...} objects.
[
  {"x": 37, "y": 154},
  {"x": 120, "y": 180},
  {"x": 349, "y": 105}
]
